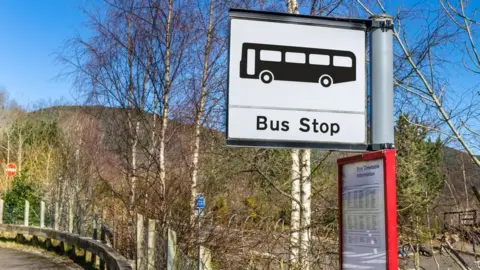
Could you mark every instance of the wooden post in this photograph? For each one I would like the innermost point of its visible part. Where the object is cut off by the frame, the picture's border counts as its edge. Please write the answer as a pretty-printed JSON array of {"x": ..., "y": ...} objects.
[
  {"x": 42, "y": 214},
  {"x": 205, "y": 258},
  {"x": 140, "y": 242},
  {"x": 27, "y": 211},
  {"x": 152, "y": 233},
  {"x": 172, "y": 250},
  {"x": 103, "y": 240},
  {"x": 70, "y": 216},
  {"x": 56, "y": 219},
  {"x": 95, "y": 236},
  {"x": 1, "y": 211}
]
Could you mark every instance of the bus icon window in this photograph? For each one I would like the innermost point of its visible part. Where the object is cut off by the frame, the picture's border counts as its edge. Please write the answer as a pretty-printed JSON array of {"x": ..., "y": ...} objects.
[{"x": 297, "y": 64}]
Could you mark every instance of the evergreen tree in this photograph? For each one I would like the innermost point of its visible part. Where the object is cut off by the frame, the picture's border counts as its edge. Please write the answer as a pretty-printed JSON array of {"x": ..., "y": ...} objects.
[
  {"x": 419, "y": 170},
  {"x": 22, "y": 189}
]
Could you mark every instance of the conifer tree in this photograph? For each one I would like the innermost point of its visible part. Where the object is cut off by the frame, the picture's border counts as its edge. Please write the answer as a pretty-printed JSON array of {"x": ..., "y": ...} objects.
[{"x": 419, "y": 170}]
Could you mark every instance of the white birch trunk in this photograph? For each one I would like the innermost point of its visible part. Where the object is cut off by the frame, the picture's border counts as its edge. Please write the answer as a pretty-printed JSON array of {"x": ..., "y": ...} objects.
[
  {"x": 164, "y": 119},
  {"x": 144, "y": 94},
  {"x": 306, "y": 212},
  {"x": 133, "y": 129},
  {"x": 295, "y": 215},
  {"x": 134, "y": 167},
  {"x": 8, "y": 146},
  {"x": 465, "y": 184},
  {"x": 199, "y": 115},
  {"x": 19, "y": 151},
  {"x": 133, "y": 139}
]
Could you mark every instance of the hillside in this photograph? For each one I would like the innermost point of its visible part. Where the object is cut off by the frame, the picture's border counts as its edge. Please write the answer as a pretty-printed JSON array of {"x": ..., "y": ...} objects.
[
  {"x": 461, "y": 173},
  {"x": 459, "y": 170}
]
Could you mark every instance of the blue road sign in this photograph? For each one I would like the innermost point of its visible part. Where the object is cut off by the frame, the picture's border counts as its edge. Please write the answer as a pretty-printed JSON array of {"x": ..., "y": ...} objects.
[{"x": 199, "y": 202}]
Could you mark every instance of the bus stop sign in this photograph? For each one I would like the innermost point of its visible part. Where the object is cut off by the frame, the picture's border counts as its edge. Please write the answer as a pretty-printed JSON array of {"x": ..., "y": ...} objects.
[{"x": 296, "y": 81}]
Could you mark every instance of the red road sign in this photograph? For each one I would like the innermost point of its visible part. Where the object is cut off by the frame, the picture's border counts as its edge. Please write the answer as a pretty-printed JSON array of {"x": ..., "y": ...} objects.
[
  {"x": 368, "y": 214},
  {"x": 11, "y": 169}
]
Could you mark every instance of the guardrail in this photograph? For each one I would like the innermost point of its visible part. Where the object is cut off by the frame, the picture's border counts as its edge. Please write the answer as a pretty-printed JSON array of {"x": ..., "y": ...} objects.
[
  {"x": 107, "y": 255},
  {"x": 152, "y": 252}
]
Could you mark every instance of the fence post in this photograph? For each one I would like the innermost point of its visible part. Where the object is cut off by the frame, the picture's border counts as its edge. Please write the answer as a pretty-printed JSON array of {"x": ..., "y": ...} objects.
[
  {"x": 104, "y": 241},
  {"x": 70, "y": 216},
  {"x": 140, "y": 242},
  {"x": 95, "y": 236},
  {"x": 172, "y": 250},
  {"x": 56, "y": 220},
  {"x": 42, "y": 214},
  {"x": 27, "y": 211},
  {"x": 152, "y": 233},
  {"x": 205, "y": 258},
  {"x": 1, "y": 211}
]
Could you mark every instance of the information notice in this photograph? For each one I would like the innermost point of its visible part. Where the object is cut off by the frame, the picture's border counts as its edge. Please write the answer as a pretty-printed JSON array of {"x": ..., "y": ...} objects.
[{"x": 363, "y": 215}]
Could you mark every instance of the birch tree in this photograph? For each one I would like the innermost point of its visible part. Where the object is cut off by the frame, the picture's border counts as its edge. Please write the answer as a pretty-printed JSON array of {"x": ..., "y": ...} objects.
[
  {"x": 164, "y": 96},
  {"x": 292, "y": 7},
  {"x": 200, "y": 106},
  {"x": 306, "y": 209}
]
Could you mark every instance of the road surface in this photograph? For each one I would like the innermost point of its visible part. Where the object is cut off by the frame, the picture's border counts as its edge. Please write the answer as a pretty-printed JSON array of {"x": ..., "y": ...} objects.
[{"x": 15, "y": 259}]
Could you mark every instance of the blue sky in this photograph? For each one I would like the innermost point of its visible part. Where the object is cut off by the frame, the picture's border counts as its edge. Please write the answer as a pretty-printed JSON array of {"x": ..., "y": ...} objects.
[{"x": 30, "y": 33}]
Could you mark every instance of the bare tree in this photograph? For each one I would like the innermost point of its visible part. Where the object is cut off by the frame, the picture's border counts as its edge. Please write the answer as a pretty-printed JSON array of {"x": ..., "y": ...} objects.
[
  {"x": 165, "y": 95},
  {"x": 417, "y": 76},
  {"x": 200, "y": 106}
]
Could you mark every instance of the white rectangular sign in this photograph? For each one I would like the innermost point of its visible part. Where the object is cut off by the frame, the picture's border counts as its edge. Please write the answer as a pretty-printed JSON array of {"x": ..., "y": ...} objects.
[
  {"x": 363, "y": 215},
  {"x": 296, "y": 81}
]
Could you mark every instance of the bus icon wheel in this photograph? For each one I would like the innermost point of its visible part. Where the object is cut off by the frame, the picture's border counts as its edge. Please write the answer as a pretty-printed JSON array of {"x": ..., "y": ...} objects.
[
  {"x": 325, "y": 80},
  {"x": 266, "y": 76}
]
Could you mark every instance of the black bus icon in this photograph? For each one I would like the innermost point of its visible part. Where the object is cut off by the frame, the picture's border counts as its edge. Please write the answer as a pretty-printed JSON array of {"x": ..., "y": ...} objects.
[{"x": 285, "y": 63}]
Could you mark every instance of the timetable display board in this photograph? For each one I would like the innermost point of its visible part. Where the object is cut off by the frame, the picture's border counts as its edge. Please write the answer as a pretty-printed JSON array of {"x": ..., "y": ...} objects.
[{"x": 368, "y": 211}]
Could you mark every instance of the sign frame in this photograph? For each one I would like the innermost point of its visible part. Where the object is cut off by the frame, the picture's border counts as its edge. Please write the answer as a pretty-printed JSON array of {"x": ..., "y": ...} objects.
[
  {"x": 345, "y": 23},
  {"x": 390, "y": 199}
]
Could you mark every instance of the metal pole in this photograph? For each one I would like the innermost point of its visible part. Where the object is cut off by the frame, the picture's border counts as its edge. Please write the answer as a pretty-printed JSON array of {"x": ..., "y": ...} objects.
[
  {"x": 198, "y": 241},
  {"x": 381, "y": 69}
]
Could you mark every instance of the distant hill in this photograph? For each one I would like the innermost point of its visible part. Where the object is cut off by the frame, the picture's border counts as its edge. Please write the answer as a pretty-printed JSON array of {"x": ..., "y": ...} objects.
[{"x": 460, "y": 171}]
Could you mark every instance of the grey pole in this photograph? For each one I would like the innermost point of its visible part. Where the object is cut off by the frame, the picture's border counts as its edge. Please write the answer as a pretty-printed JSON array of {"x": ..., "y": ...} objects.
[
  {"x": 381, "y": 68},
  {"x": 200, "y": 267}
]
